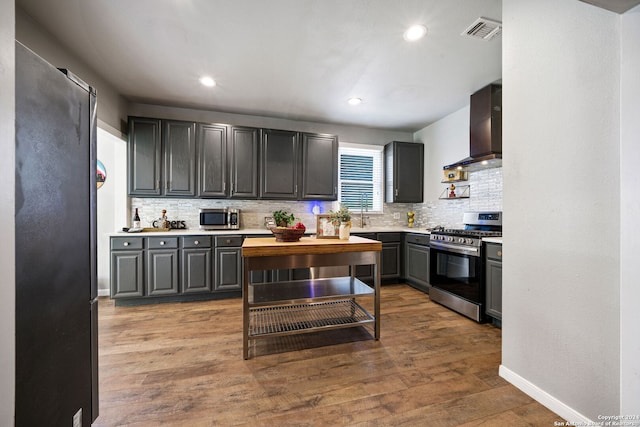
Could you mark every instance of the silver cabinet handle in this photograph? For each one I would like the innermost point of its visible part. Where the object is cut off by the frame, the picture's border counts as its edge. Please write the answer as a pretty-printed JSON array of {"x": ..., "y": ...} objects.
[
  {"x": 162, "y": 243},
  {"x": 125, "y": 244},
  {"x": 196, "y": 242}
]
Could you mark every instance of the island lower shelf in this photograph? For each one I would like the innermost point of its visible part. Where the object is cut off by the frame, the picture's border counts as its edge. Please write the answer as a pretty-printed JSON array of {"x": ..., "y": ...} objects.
[{"x": 307, "y": 317}]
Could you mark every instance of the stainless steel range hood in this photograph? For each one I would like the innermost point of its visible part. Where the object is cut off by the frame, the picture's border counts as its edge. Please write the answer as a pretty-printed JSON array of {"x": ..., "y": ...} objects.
[{"x": 485, "y": 131}]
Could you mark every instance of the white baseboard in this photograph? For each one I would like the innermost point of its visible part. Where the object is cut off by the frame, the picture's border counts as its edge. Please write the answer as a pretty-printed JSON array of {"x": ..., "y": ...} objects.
[
  {"x": 103, "y": 292},
  {"x": 544, "y": 398}
]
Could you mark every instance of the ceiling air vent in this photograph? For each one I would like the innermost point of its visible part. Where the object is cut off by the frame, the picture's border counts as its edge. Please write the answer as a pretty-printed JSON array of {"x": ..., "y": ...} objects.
[{"x": 483, "y": 28}]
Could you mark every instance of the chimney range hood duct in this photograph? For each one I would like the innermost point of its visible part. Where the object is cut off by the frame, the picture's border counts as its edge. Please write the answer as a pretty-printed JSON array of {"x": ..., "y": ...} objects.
[{"x": 485, "y": 131}]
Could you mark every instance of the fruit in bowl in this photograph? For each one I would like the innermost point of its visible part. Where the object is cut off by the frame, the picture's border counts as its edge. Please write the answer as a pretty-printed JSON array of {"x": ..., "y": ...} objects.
[
  {"x": 286, "y": 231},
  {"x": 288, "y": 234}
]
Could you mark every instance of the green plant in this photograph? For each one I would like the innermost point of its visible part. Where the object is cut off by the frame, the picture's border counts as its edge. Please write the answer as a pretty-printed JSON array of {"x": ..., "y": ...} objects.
[
  {"x": 283, "y": 218},
  {"x": 341, "y": 215}
]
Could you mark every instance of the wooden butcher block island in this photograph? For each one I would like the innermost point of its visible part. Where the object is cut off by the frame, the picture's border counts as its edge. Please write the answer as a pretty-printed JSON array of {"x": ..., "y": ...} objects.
[{"x": 301, "y": 306}]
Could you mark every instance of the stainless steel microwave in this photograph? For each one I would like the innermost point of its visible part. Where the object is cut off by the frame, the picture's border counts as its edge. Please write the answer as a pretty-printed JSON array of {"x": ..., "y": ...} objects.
[{"x": 219, "y": 219}]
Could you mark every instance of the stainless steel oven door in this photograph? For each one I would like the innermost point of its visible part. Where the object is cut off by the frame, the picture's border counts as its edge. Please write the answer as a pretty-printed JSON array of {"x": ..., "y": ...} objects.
[{"x": 459, "y": 275}]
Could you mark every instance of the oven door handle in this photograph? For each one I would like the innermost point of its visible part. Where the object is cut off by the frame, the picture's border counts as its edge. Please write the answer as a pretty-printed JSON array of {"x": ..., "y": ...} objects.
[{"x": 457, "y": 249}]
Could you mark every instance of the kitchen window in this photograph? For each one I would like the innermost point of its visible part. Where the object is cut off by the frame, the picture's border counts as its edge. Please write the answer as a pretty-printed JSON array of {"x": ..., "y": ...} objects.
[{"x": 360, "y": 177}]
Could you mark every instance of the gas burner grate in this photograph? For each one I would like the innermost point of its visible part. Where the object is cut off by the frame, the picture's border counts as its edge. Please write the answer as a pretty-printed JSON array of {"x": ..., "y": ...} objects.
[{"x": 470, "y": 233}]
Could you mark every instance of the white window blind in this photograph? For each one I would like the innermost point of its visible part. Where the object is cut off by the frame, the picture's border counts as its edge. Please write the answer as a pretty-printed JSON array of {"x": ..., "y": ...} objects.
[{"x": 360, "y": 177}]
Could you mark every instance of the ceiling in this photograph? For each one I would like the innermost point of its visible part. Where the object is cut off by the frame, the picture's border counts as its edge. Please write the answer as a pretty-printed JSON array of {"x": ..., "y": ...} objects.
[{"x": 293, "y": 59}]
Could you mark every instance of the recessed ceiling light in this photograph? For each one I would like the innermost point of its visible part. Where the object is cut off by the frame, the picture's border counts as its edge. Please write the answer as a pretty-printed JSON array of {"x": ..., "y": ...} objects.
[
  {"x": 354, "y": 101},
  {"x": 207, "y": 81},
  {"x": 414, "y": 33}
]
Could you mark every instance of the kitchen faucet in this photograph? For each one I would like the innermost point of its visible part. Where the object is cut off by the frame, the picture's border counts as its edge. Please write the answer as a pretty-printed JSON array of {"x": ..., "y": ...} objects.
[{"x": 363, "y": 205}]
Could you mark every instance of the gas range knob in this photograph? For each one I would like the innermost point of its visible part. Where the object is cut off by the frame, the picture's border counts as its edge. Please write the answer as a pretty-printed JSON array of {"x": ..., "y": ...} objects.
[
  {"x": 461, "y": 240},
  {"x": 449, "y": 239}
]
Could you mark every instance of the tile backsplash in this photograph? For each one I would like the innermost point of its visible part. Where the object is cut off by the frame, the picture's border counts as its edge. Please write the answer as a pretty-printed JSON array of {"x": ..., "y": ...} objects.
[{"x": 485, "y": 194}]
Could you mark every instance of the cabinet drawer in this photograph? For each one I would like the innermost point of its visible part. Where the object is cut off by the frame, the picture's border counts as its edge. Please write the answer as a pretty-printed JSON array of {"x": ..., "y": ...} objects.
[
  {"x": 418, "y": 239},
  {"x": 222, "y": 241},
  {"x": 389, "y": 237},
  {"x": 162, "y": 242},
  {"x": 196, "y": 242},
  {"x": 126, "y": 243},
  {"x": 494, "y": 251}
]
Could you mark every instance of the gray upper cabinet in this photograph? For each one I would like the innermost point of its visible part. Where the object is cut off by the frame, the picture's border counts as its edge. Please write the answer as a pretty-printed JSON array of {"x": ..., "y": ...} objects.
[
  {"x": 404, "y": 172},
  {"x": 319, "y": 167},
  {"x": 179, "y": 148},
  {"x": 212, "y": 161},
  {"x": 144, "y": 157},
  {"x": 243, "y": 160},
  {"x": 161, "y": 158},
  {"x": 171, "y": 158},
  {"x": 279, "y": 164}
]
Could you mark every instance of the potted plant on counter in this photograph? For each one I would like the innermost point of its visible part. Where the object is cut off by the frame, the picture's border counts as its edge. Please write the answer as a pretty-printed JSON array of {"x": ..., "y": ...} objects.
[
  {"x": 343, "y": 216},
  {"x": 283, "y": 218},
  {"x": 285, "y": 230}
]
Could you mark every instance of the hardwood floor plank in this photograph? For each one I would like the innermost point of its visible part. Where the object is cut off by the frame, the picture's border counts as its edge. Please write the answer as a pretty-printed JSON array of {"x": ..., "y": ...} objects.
[{"x": 180, "y": 364}]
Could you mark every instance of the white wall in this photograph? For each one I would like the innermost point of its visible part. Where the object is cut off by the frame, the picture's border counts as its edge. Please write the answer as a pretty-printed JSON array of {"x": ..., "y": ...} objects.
[
  {"x": 445, "y": 142},
  {"x": 630, "y": 213},
  {"x": 561, "y": 275},
  {"x": 7, "y": 201},
  {"x": 111, "y": 200}
]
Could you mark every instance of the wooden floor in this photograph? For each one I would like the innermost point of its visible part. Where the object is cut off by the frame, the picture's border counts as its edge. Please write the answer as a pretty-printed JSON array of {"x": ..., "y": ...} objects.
[{"x": 181, "y": 365}]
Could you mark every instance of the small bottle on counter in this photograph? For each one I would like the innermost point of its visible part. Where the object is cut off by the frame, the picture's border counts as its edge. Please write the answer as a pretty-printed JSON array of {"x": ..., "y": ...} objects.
[
  {"x": 164, "y": 222},
  {"x": 136, "y": 220}
]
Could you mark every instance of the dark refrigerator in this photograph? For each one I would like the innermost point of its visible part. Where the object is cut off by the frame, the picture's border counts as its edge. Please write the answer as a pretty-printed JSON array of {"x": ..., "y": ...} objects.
[{"x": 56, "y": 283}]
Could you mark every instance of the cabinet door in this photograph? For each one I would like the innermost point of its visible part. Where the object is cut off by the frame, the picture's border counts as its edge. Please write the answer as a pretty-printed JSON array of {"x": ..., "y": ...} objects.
[
  {"x": 319, "y": 167},
  {"x": 144, "y": 156},
  {"x": 196, "y": 270},
  {"x": 494, "y": 289},
  {"x": 404, "y": 171},
  {"x": 390, "y": 261},
  {"x": 244, "y": 162},
  {"x": 279, "y": 161},
  {"x": 162, "y": 272},
  {"x": 417, "y": 265},
  {"x": 228, "y": 269},
  {"x": 212, "y": 161},
  {"x": 179, "y": 147},
  {"x": 126, "y": 274}
]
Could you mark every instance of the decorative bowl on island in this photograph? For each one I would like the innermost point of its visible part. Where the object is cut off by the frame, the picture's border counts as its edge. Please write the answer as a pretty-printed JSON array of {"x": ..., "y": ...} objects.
[{"x": 287, "y": 234}]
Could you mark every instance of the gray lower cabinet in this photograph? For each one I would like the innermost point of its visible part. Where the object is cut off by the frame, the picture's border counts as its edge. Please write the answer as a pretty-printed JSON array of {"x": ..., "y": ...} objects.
[
  {"x": 416, "y": 260},
  {"x": 228, "y": 268},
  {"x": 181, "y": 267},
  {"x": 127, "y": 267},
  {"x": 493, "y": 271},
  {"x": 162, "y": 266},
  {"x": 390, "y": 258},
  {"x": 197, "y": 266}
]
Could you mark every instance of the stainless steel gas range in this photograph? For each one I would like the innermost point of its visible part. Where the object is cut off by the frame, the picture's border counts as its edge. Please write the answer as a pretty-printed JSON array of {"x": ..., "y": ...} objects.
[{"x": 456, "y": 263}]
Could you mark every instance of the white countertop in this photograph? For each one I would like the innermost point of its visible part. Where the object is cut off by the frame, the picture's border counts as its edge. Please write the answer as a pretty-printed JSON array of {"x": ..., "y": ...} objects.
[
  {"x": 246, "y": 231},
  {"x": 260, "y": 231},
  {"x": 492, "y": 239}
]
